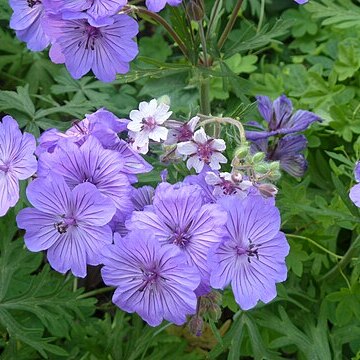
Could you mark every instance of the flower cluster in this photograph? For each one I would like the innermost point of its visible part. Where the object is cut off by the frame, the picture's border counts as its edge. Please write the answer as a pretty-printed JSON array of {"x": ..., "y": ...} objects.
[
  {"x": 84, "y": 35},
  {"x": 283, "y": 127},
  {"x": 161, "y": 248}
]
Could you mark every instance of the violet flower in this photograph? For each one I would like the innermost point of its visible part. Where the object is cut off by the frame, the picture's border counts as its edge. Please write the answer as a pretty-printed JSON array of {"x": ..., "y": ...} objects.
[
  {"x": 158, "y": 5},
  {"x": 179, "y": 217},
  {"x": 70, "y": 224},
  {"x": 17, "y": 161},
  {"x": 252, "y": 254},
  {"x": 355, "y": 190},
  {"x": 106, "y": 49},
  {"x": 152, "y": 280},
  {"x": 280, "y": 118}
]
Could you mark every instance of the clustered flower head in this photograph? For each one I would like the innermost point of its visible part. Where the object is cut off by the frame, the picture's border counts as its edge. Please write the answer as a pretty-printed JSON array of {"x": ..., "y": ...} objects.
[
  {"x": 162, "y": 248},
  {"x": 84, "y": 34}
]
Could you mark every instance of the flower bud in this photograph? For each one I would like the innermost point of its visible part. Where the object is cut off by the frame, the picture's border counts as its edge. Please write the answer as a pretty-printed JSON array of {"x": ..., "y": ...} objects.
[
  {"x": 258, "y": 157},
  {"x": 268, "y": 190},
  {"x": 195, "y": 10},
  {"x": 165, "y": 99},
  {"x": 274, "y": 166},
  {"x": 242, "y": 151},
  {"x": 196, "y": 325}
]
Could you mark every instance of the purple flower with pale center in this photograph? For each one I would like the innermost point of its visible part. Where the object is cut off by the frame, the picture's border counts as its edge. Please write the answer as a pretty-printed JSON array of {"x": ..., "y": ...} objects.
[
  {"x": 70, "y": 224},
  {"x": 252, "y": 254},
  {"x": 27, "y": 21},
  {"x": 280, "y": 118},
  {"x": 105, "y": 49},
  {"x": 17, "y": 161},
  {"x": 301, "y": 2},
  {"x": 157, "y": 5},
  {"x": 90, "y": 163},
  {"x": 180, "y": 132},
  {"x": 202, "y": 150},
  {"x": 355, "y": 190},
  {"x": 179, "y": 217},
  {"x": 152, "y": 280},
  {"x": 287, "y": 150},
  {"x": 146, "y": 124}
]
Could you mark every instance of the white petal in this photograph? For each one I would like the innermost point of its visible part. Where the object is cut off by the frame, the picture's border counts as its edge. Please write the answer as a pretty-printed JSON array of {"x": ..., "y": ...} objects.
[
  {"x": 187, "y": 148},
  {"x": 159, "y": 133},
  {"x": 218, "y": 144},
  {"x": 200, "y": 136},
  {"x": 196, "y": 163},
  {"x": 217, "y": 158},
  {"x": 141, "y": 138},
  {"x": 160, "y": 119},
  {"x": 144, "y": 107},
  {"x": 136, "y": 115},
  {"x": 193, "y": 122},
  {"x": 134, "y": 126},
  {"x": 212, "y": 179}
]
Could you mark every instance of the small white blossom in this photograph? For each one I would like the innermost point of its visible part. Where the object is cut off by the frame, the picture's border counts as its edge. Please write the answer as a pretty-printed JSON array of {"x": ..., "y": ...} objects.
[
  {"x": 202, "y": 150},
  {"x": 145, "y": 124}
]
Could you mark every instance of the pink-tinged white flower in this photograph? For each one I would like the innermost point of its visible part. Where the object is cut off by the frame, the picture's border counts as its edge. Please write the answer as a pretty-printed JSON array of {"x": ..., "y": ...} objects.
[
  {"x": 145, "y": 124},
  {"x": 202, "y": 150},
  {"x": 228, "y": 184},
  {"x": 180, "y": 132}
]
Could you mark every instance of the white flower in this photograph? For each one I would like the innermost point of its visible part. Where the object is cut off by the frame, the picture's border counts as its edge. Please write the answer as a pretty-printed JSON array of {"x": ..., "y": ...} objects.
[
  {"x": 181, "y": 132},
  {"x": 202, "y": 150},
  {"x": 145, "y": 123}
]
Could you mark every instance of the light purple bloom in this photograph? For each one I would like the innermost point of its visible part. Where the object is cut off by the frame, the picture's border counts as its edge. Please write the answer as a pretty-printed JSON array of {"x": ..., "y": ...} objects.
[
  {"x": 105, "y": 49},
  {"x": 157, "y": 5},
  {"x": 355, "y": 190},
  {"x": 27, "y": 21},
  {"x": 17, "y": 161},
  {"x": 288, "y": 151},
  {"x": 301, "y": 2},
  {"x": 280, "y": 118},
  {"x": 203, "y": 150},
  {"x": 252, "y": 254},
  {"x": 179, "y": 217},
  {"x": 90, "y": 163},
  {"x": 152, "y": 280},
  {"x": 70, "y": 224}
]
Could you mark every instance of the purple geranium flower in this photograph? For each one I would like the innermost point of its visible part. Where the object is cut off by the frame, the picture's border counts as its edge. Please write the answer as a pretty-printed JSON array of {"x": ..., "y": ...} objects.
[
  {"x": 70, "y": 224},
  {"x": 355, "y": 190},
  {"x": 287, "y": 150},
  {"x": 105, "y": 49},
  {"x": 252, "y": 254},
  {"x": 17, "y": 161},
  {"x": 301, "y": 2},
  {"x": 178, "y": 217},
  {"x": 157, "y": 5},
  {"x": 26, "y": 20},
  {"x": 280, "y": 118},
  {"x": 90, "y": 163},
  {"x": 154, "y": 281}
]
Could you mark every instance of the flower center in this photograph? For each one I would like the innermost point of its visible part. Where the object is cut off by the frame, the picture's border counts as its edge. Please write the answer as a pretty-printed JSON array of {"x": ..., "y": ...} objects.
[
  {"x": 181, "y": 237},
  {"x": 205, "y": 151},
  {"x": 62, "y": 226},
  {"x": 228, "y": 187},
  {"x": 149, "y": 123},
  {"x": 32, "y": 3},
  {"x": 185, "y": 134},
  {"x": 150, "y": 278},
  {"x": 251, "y": 251},
  {"x": 4, "y": 168},
  {"x": 91, "y": 34}
]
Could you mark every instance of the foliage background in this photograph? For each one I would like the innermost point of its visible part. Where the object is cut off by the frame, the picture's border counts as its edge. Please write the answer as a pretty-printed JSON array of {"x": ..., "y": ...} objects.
[{"x": 311, "y": 54}]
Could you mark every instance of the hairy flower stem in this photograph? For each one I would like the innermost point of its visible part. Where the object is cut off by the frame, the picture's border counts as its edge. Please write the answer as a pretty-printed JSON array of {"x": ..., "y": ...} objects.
[
  {"x": 205, "y": 106},
  {"x": 142, "y": 11},
  {"x": 96, "y": 292},
  {"x": 230, "y": 24},
  {"x": 347, "y": 258},
  {"x": 225, "y": 120}
]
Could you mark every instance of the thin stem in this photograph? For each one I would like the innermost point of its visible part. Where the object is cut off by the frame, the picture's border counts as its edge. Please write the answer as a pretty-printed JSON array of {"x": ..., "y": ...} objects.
[
  {"x": 203, "y": 43},
  {"x": 315, "y": 244},
  {"x": 96, "y": 292},
  {"x": 225, "y": 120},
  {"x": 214, "y": 13},
  {"x": 261, "y": 18},
  {"x": 347, "y": 258},
  {"x": 205, "y": 106},
  {"x": 166, "y": 25},
  {"x": 230, "y": 24}
]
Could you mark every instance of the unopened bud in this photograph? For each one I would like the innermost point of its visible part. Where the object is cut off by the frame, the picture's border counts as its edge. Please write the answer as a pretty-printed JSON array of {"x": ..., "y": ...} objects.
[
  {"x": 274, "y": 166},
  {"x": 242, "y": 151},
  {"x": 262, "y": 168},
  {"x": 268, "y": 190},
  {"x": 236, "y": 177},
  {"x": 258, "y": 157},
  {"x": 165, "y": 99},
  {"x": 195, "y": 9},
  {"x": 196, "y": 325}
]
